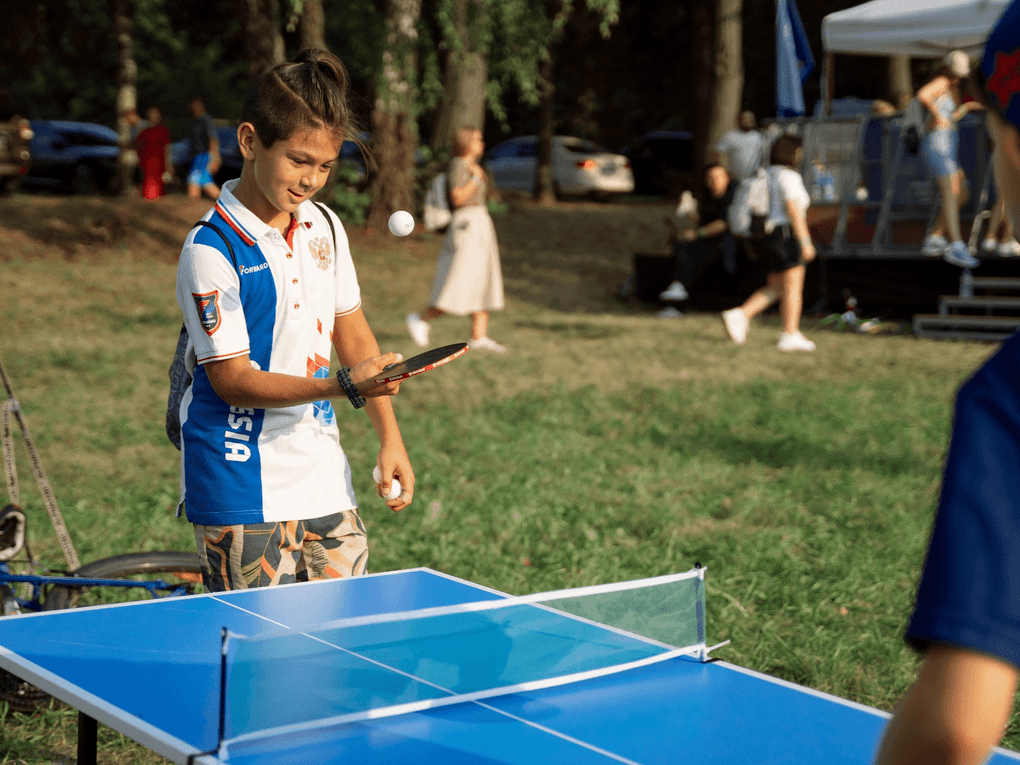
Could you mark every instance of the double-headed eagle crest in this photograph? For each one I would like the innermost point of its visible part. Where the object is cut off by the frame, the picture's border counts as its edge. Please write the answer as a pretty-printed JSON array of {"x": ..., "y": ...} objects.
[{"x": 319, "y": 247}]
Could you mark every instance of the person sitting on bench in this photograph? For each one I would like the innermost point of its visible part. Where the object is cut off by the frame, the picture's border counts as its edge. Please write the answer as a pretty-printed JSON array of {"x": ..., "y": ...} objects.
[{"x": 698, "y": 247}]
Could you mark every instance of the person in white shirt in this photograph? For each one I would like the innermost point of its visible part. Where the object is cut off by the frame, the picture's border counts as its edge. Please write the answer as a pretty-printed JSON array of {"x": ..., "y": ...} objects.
[
  {"x": 784, "y": 252},
  {"x": 741, "y": 151}
]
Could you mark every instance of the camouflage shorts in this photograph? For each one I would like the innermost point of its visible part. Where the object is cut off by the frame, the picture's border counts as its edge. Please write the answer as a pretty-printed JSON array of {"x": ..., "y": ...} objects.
[{"x": 263, "y": 554}]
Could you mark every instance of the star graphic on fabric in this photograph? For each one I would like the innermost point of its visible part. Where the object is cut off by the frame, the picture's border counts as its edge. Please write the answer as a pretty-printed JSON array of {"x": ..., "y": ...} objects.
[{"x": 1005, "y": 80}]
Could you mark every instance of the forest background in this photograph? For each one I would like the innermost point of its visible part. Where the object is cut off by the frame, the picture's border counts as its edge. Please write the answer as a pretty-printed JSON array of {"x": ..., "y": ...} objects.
[{"x": 607, "y": 70}]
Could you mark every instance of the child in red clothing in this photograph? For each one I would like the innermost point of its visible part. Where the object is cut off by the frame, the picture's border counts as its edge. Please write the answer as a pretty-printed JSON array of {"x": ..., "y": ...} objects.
[{"x": 153, "y": 147}]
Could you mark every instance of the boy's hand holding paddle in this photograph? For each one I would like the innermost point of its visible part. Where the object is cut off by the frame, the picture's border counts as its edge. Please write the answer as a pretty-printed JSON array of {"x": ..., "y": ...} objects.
[{"x": 364, "y": 376}]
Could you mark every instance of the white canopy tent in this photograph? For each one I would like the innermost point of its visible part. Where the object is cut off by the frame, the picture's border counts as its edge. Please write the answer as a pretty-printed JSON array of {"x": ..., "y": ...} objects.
[{"x": 915, "y": 28}]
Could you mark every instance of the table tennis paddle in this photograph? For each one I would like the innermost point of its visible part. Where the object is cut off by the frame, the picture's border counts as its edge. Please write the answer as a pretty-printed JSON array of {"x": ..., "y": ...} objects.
[{"x": 423, "y": 362}]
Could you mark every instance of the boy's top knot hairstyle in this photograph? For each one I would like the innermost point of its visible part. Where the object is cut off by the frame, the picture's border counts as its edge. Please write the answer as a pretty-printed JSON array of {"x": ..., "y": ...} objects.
[
  {"x": 1000, "y": 66},
  {"x": 310, "y": 92}
]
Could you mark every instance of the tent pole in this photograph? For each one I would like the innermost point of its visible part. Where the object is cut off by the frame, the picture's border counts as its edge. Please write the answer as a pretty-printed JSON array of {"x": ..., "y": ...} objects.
[{"x": 828, "y": 82}]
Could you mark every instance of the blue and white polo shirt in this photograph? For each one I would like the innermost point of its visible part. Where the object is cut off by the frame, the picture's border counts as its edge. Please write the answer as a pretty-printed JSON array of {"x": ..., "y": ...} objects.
[{"x": 278, "y": 306}]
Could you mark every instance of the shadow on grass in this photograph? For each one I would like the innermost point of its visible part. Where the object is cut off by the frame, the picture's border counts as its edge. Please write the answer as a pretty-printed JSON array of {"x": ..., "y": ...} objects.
[
  {"x": 791, "y": 451},
  {"x": 66, "y": 222},
  {"x": 573, "y": 330}
]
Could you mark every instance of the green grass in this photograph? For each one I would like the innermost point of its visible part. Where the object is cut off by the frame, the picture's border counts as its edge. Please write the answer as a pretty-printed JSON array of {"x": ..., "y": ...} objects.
[{"x": 608, "y": 445}]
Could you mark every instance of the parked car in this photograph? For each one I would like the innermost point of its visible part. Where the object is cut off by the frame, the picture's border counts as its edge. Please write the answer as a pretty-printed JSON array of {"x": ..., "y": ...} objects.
[
  {"x": 80, "y": 157},
  {"x": 230, "y": 156},
  {"x": 659, "y": 160},
  {"x": 579, "y": 166},
  {"x": 15, "y": 135}
]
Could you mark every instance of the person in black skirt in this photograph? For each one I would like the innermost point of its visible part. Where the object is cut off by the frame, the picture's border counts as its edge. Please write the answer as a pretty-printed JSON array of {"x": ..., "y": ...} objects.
[{"x": 784, "y": 252}]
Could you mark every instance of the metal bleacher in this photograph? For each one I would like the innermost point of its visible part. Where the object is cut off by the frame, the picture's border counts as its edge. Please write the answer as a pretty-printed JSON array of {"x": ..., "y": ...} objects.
[{"x": 987, "y": 308}]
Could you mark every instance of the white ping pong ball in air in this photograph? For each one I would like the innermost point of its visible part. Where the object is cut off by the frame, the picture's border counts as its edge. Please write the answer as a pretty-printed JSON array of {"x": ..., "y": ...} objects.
[
  {"x": 401, "y": 223},
  {"x": 395, "y": 486}
]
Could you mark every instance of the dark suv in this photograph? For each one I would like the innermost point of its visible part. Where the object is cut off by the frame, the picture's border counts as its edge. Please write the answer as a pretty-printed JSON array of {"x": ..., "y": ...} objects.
[
  {"x": 15, "y": 133},
  {"x": 80, "y": 157}
]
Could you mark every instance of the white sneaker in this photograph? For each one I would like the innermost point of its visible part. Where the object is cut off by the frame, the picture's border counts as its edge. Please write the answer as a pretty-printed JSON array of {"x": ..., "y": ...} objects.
[
  {"x": 419, "y": 330},
  {"x": 676, "y": 292},
  {"x": 990, "y": 245},
  {"x": 1009, "y": 249},
  {"x": 934, "y": 245},
  {"x": 669, "y": 312},
  {"x": 486, "y": 344},
  {"x": 736, "y": 325},
  {"x": 794, "y": 342}
]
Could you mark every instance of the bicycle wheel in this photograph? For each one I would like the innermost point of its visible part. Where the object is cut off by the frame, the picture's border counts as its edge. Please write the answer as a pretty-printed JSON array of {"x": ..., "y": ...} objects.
[{"x": 175, "y": 568}]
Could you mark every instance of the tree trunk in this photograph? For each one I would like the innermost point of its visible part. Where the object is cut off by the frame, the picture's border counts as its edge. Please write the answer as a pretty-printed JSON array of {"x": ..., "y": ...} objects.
[
  {"x": 263, "y": 40},
  {"x": 901, "y": 88},
  {"x": 312, "y": 29},
  {"x": 127, "y": 75},
  {"x": 545, "y": 183},
  {"x": 466, "y": 75},
  {"x": 394, "y": 129},
  {"x": 719, "y": 71},
  {"x": 729, "y": 68}
]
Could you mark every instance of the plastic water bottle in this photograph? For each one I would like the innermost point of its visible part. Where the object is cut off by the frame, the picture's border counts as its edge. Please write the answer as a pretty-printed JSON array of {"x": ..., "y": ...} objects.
[
  {"x": 817, "y": 170},
  {"x": 828, "y": 184},
  {"x": 966, "y": 284},
  {"x": 823, "y": 185}
]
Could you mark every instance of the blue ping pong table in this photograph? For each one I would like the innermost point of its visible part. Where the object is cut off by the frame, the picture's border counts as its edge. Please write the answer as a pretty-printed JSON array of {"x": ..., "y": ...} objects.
[{"x": 152, "y": 671}]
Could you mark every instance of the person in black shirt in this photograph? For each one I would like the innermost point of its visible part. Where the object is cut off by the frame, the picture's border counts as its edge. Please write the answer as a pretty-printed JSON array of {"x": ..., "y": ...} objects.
[{"x": 699, "y": 247}]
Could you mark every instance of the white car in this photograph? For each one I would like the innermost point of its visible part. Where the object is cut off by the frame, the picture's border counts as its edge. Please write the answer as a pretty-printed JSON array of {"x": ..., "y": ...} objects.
[{"x": 579, "y": 166}]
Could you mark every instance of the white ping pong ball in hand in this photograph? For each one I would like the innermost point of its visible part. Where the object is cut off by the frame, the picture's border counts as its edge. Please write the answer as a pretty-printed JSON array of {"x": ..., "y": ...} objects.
[
  {"x": 394, "y": 487},
  {"x": 401, "y": 223}
]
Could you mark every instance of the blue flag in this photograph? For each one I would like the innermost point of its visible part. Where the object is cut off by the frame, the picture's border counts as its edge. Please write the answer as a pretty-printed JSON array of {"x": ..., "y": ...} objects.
[{"x": 794, "y": 62}]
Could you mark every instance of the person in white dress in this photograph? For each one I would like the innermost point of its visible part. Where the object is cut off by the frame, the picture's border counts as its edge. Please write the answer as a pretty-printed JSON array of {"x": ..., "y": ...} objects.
[{"x": 469, "y": 278}]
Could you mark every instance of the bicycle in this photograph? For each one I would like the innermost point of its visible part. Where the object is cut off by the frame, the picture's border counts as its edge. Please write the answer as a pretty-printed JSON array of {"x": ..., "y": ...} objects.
[{"x": 35, "y": 588}]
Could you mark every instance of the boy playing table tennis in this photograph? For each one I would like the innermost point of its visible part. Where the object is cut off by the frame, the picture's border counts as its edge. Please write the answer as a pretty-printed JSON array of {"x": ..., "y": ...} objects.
[
  {"x": 967, "y": 613},
  {"x": 267, "y": 286}
]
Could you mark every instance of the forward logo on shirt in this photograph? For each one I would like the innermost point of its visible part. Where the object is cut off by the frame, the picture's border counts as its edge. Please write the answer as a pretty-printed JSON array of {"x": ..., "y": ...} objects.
[
  {"x": 319, "y": 247},
  {"x": 208, "y": 305}
]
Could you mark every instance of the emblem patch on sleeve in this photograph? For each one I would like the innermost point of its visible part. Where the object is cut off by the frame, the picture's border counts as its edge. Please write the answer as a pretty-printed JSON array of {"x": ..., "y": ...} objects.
[
  {"x": 208, "y": 305},
  {"x": 319, "y": 247}
]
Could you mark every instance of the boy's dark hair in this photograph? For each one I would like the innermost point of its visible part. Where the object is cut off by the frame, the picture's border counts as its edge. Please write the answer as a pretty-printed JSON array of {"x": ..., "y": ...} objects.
[
  {"x": 309, "y": 92},
  {"x": 784, "y": 151}
]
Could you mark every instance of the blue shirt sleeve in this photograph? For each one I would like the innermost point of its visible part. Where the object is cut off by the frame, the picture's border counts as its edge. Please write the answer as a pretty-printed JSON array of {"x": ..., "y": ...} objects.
[{"x": 969, "y": 594}]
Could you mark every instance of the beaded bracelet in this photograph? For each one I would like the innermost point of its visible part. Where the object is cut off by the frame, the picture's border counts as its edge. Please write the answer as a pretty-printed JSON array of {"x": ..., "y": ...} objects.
[{"x": 343, "y": 376}]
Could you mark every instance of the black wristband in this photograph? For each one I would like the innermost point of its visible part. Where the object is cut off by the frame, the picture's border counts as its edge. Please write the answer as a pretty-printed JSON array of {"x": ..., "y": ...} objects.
[{"x": 343, "y": 376}]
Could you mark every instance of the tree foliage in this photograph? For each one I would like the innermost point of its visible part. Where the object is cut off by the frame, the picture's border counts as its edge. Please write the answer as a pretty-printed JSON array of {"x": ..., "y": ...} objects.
[{"x": 58, "y": 58}]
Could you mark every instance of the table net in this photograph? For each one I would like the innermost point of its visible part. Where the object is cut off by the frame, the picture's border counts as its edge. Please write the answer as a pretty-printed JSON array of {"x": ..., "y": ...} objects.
[{"x": 282, "y": 683}]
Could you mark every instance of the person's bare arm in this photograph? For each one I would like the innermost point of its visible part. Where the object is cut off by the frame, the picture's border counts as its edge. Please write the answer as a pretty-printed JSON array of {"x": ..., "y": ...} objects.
[
  {"x": 354, "y": 342},
  {"x": 955, "y": 712},
  {"x": 929, "y": 93},
  {"x": 239, "y": 384},
  {"x": 214, "y": 154},
  {"x": 715, "y": 228},
  {"x": 798, "y": 222}
]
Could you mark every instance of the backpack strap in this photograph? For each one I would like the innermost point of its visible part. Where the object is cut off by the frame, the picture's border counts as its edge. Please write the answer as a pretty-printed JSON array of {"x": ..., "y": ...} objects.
[
  {"x": 230, "y": 247},
  {"x": 329, "y": 219}
]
